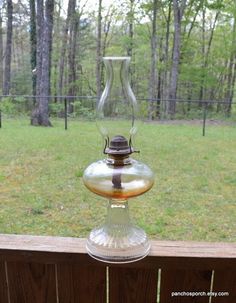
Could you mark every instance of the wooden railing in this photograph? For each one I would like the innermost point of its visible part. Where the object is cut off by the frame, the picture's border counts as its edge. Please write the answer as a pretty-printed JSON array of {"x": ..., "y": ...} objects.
[{"x": 58, "y": 270}]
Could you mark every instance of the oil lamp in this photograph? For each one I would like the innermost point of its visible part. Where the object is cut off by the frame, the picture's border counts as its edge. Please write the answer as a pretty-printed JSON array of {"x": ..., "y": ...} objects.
[{"x": 118, "y": 176}]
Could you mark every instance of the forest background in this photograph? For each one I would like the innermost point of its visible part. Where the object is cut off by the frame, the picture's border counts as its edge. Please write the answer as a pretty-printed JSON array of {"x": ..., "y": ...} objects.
[{"x": 183, "y": 55}]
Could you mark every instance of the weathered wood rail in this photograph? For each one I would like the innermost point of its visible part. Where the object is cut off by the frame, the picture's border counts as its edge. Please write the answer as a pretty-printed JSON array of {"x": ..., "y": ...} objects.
[{"x": 36, "y": 269}]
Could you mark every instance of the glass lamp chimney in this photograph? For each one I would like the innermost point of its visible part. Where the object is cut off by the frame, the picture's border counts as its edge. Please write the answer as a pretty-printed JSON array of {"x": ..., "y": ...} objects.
[{"x": 117, "y": 102}]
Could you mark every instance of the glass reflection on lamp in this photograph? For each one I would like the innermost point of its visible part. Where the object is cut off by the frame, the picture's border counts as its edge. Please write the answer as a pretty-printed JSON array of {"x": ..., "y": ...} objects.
[{"x": 118, "y": 177}]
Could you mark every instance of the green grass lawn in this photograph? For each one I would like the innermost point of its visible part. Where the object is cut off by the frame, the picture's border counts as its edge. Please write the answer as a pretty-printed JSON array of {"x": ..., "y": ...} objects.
[{"x": 194, "y": 196}]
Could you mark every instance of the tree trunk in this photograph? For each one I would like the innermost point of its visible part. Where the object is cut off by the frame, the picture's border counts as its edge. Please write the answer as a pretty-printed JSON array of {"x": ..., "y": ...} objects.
[
  {"x": 178, "y": 8},
  {"x": 7, "y": 70},
  {"x": 33, "y": 44},
  {"x": 41, "y": 113},
  {"x": 153, "y": 67},
  {"x": 1, "y": 51},
  {"x": 188, "y": 28},
  {"x": 201, "y": 94},
  {"x": 71, "y": 53},
  {"x": 166, "y": 59},
  {"x": 14, "y": 51},
  {"x": 39, "y": 46},
  {"x": 159, "y": 83},
  {"x": 231, "y": 76},
  {"x": 64, "y": 48},
  {"x": 205, "y": 54},
  {"x": 56, "y": 59},
  {"x": 131, "y": 41},
  {"x": 99, "y": 51},
  {"x": 49, "y": 28},
  {"x": 106, "y": 30},
  {"x": 222, "y": 79}
]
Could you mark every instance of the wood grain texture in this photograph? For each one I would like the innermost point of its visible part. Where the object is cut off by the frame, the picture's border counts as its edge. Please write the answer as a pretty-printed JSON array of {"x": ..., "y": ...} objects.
[
  {"x": 80, "y": 284},
  {"x": 128, "y": 285},
  {"x": 163, "y": 254},
  {"x": 3, "y": 284},
  {"x": 77, "y": 245},
  {"x": 31, "y": 283},
  {"x": 185, "y": 266},
  {"x": 173, "y": 281},
  {"x": 224, "y": 281}
]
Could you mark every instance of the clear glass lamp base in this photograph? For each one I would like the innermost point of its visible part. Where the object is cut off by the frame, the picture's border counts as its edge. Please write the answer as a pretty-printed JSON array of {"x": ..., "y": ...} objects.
[{"x": 118, "y": 241}]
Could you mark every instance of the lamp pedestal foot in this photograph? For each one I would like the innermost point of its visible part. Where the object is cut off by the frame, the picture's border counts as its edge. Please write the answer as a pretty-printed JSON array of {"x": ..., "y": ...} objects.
[{"x": 118, "y": 240}]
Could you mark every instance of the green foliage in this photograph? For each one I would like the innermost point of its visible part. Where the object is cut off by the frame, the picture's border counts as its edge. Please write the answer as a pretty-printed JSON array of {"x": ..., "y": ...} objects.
[
  {"x": 195, "y": 74},
  {"x": 143, "y": 110},
  {"x": 82, "y": 111},
  {"x": 7, "y": 106},
  {"x": 55, "y": 109},
  {"x": 14, "y": 107}
]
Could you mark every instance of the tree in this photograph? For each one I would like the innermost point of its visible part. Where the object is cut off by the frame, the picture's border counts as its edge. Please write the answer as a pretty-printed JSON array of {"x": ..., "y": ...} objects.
[
  {"x": 8, "y": 51},
  {"x": 192, "y": 12},
  {"x": 40, "y": 115},
  {"x": 73, "y": 30},
  {"x": 1, "y": 51},
  {"x": 71, "y": 4},
  {"x": 39, "y": 45},
  {"x": 33, "y": 44},
  {"x": 153, "y": 66},
  {"x": 99, "y": 51},
  {"x": 178, "y": 8},
  {"x": 165, "y": 56},
  {"x": 56, "y": 51},
  {"x": 183, "y": 49},
  {"x": 231, "y": 76},
  {"x": 206, "y": 47},
  {"x": 109, "y": 20},
  {"x": 130, "y": 46}
]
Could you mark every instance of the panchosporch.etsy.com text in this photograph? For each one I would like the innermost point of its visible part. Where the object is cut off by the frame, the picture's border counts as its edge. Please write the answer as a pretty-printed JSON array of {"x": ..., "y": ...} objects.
[{"x": 199, "y": 294}]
